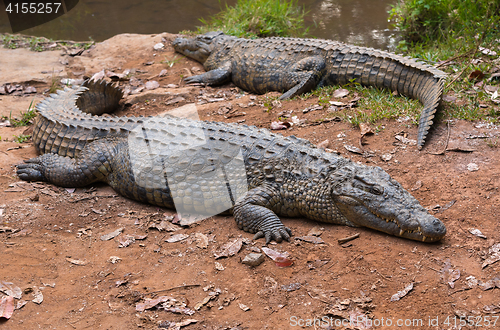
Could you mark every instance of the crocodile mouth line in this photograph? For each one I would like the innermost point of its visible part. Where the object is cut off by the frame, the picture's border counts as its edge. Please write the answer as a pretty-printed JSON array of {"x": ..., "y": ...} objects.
[
  {"x": 349, "y": 200},
  {"x": 402, "y": 231}
]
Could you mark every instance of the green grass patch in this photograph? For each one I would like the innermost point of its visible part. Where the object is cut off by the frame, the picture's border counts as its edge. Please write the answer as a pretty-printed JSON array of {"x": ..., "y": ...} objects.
[
  {"x": 170, "y": 63},
  {"x": 259, "y": 18},
  {"x": 430, "y": 20},
  {"x": 22, "y": 138},
  {"x": 39, "y": 44},
  {"x": 373, "y": 105},
  {"x": 473, "y": 95},
  {"x": 26, "y": 117},
  {"x": 465, "y": 34}
]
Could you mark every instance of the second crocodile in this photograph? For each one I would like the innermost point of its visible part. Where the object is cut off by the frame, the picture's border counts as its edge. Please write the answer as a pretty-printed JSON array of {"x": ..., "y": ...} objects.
[{"x": 295, "y": 66}]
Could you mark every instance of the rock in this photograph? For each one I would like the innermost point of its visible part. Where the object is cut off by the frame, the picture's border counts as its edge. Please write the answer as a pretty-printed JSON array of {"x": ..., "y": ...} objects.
[
  {"x": 153, "y": 84},
  {"x": 158, "y": 46},
  {"x": 253, "y": 259},
  {"x": 472, "y": 167}
]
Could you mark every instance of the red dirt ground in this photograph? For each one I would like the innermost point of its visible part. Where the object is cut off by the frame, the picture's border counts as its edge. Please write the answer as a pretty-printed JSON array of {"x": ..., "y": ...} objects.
[{"x": 45, "y": 231}]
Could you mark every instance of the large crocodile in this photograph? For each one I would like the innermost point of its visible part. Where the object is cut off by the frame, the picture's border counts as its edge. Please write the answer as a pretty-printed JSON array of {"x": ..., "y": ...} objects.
[
  {"x": 210, "y": 167},
  {"x": 295, "y": 66}
]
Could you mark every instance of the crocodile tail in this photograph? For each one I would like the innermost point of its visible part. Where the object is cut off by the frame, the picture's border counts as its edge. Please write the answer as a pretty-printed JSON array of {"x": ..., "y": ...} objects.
[
  {"x": 430, "y": 96},
  {"x": 101, "y": 97},
  {"x": 62, "y": 128},
  {"x": 407, "y": 76}
]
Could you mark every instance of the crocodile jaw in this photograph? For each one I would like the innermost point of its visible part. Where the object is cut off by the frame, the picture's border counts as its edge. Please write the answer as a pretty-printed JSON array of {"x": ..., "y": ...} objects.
[
  {"x": 418, "y": 225},
  {"x": 198, "y": 48},
  {"x": 192, "y": 48},
  {"x": 369, "y": 197}
]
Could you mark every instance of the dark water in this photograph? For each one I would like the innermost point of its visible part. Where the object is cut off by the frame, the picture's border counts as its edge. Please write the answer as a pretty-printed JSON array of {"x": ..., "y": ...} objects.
[{"x": 361, "y": 22}]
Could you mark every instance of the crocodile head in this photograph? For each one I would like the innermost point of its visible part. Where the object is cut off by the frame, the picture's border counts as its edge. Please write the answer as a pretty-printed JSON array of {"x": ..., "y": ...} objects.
[
  {"x": 368, "y": 197},
  {"x": 200, "y": 47}
]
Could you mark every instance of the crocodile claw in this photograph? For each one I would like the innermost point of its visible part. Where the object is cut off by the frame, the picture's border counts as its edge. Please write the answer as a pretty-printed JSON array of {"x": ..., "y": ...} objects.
[
  {"x": 278, "y": 235},
  {"x": 193, "y": 79},
  {"x": 32, "y": 170}
]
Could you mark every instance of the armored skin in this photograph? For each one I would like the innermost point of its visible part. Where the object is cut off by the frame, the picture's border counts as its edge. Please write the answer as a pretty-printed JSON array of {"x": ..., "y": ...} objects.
[
  {"x": 295, "y": 66},
  {"x": 207, "y": 168}
]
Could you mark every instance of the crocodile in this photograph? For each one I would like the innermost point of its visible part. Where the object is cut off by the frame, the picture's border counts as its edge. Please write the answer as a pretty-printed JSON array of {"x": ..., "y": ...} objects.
[
  {"x": 203, "y": 167},
  {"x": 295, "y": 66}
]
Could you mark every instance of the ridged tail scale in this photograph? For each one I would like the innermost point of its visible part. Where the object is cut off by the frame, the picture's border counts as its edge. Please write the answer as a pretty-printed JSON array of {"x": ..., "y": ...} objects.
[
  {"x": 407, "y": 76},
  {"x": 67, "y": 120}
]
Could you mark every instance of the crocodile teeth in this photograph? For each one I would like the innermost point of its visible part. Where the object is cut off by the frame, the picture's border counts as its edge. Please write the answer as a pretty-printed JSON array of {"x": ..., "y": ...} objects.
[
  {"x": 424, "y": 238},
  {"x": 419, "y": 229},
  {"x": 401, "y": 232}
]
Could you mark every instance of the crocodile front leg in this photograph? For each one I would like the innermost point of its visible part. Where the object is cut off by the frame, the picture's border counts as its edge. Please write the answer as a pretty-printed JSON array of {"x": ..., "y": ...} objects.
[
  {"x": 304, "y": 76},
  {"x": 92, "y": 165},
  {"x": 253, "y": 213},
  {"x": 217, "y": 76}
]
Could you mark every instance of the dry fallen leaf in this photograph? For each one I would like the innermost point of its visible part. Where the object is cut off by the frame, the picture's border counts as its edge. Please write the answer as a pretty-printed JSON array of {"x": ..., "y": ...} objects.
[
  {"x": 494, "y": 255},
  {"x": 490, "y": 284},
  {"x": 6, "y": 307},
  {"x": 337, "y": 103},
  {"x": 229, "y": 249},
  {"x": 353, "y": 149},
  {"x": 179, "y": 310},
  {"x": 316, "y": 231},
  {"x": 450, "y": 275},
  {"x": 10, "y": 289},
  {"x": 20, "y": 303},
  {"x": 114, "y": 259},
  {"x": 176, "y": 238},
  {"x": 365, "y": 129},
  {"x": 178, "y": 325},
  {"x": 386, "y": 157},
  {"x": 278, "y": 125},
  {"x": 111, "y": 235},
  {"x": 323, "y": 145},
  {"x": 76, "y": 261},
  {"x": 150, "y": 303},
  {"x": 310, "y": 239},
  {"x": 125, "y": 240},
  {"x": 417, "y": 185},
  {"x": 280, "y": 259},
  {"x": 243, "y": 307},
  {"x": 471, "y": 281},
  {"x": 164, "y": 225},
  {"x": 202, "y": 303},
  {"x": 402, "y": 293},
  {"x": 38, "y": 296},
  {"x": 487, "y": 51},
  {"x": 341, "y": 92},
  {"x": 201, "y": 240},
  {"x": 476, "y": 75},
  {"x": 476, "y": 232},
  {"x": 404, "y": 140}
]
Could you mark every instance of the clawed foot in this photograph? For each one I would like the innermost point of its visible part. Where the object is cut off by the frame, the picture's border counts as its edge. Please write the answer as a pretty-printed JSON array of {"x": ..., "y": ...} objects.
[
  {"x": 277, "y": 234},
  {"x": 31, "y": 170},
  {"x": 193, "y": 79}
]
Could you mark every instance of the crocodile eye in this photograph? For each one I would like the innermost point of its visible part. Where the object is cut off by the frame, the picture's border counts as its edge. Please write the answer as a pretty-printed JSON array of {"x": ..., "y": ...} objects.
[
  {"x": 376, "y": 190},
  {"x": 366, "y": 186}
]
